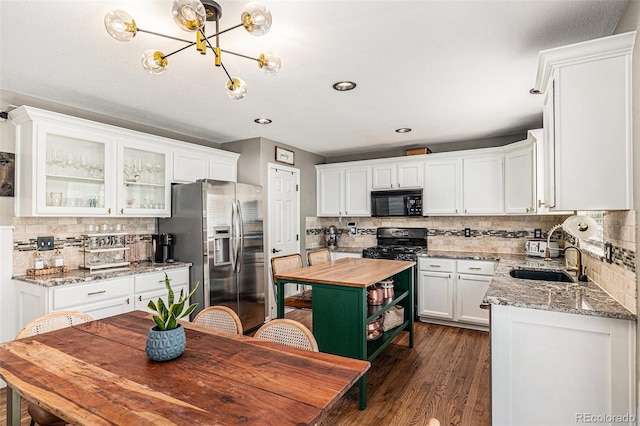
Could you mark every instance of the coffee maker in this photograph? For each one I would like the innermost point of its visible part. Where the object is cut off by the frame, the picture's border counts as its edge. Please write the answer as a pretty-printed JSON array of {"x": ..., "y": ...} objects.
[{"x": 162, "y": 247}]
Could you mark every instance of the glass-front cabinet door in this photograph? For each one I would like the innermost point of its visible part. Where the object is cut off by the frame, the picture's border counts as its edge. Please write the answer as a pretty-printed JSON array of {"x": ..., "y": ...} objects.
[
  {"x": 144, "y": 181},
  {"x": 75, "y": 172}
]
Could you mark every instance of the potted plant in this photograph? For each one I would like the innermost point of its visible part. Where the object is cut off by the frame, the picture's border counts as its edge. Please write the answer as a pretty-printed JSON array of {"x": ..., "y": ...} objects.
[{"x": 166, "y": 340}]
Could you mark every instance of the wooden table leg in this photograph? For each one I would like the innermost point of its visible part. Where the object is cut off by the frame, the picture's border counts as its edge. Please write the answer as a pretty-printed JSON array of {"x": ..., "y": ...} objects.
[
  {"x": 13, "y": 407},
  {"x": 362, "y": 385}
]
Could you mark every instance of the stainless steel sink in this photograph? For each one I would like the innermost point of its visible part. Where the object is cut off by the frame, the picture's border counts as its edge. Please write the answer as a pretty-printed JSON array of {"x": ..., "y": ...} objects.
[{"x": 532, "y": 274}]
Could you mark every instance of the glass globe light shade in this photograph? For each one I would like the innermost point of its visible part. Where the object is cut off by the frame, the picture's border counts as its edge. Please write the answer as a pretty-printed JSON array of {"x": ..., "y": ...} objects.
[
  {"x": 120, "y": 25},
  {"x": 270, "y": 63},
  {"x": 256, "y": 18},
  {"x": 189, "y": 15},
  {"x": 236, "y": 88},
  {"x": 154, "y": 62}
]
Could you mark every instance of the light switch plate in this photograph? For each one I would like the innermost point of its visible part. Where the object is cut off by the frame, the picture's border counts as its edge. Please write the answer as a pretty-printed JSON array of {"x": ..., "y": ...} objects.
[
  {"x": 467, "y": 232},
  {"x": 45, "y": 243}
]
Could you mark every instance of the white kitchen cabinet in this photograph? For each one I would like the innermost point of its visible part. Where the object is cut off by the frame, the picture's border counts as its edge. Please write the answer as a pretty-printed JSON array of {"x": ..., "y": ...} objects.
[
  {"x": 151, "y": 286},
  {"x": 344, "y": 191},
  {"x": 72, "y": 167},
  {"x": 99, "y": 299},
  {"x": 587, "y": 120},
  {"x": 450, "y": 291},
  {"x": 552, "y": 367},
  {"x": 435, "y": 288},
  {"x": 482, "y": 184},
  {"x": 397, "y": 175},
  {"x": 144, "y": 186},
  {"x": 519, "y": 178},
  {"x": 442, "y": 186},
  {"x": 193, "y": 163}
]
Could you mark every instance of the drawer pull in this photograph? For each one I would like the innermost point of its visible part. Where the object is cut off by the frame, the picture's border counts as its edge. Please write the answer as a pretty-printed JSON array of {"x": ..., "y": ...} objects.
[
  {"x": 474, "y": 269},
  {"x": 436, "y": 266},
  {"x": 96, "y": 292},
  {"x": 162, "y": 281}
]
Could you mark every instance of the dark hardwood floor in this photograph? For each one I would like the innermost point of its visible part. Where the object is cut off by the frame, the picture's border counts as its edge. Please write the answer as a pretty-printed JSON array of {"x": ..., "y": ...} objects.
[{"x": 446, "y": 376}]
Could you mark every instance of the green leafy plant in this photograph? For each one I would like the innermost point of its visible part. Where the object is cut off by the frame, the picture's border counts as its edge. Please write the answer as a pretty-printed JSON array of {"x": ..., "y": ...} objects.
[{"x": 169, "y": 313}]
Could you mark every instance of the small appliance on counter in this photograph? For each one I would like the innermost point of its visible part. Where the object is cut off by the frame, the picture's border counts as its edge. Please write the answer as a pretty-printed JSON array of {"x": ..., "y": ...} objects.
[
  {"x": 537, "y": 248},
  {"x": 332, "y": 237},
  {"x": 162, "y": 247}
]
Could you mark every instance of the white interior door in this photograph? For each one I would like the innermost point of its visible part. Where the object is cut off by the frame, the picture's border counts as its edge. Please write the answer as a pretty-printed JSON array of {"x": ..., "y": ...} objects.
[{"x": 284, "y": 218}]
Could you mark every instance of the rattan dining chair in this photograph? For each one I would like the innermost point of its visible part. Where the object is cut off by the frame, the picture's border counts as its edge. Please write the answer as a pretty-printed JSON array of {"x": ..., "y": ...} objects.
[
  {"x": 220, "y": 318},
  {"x": 284, "y": 264},
  {"x": 44, "y": 324},
  {"x": 316, "y": 257},
  {"x": 288, "y": 332}
]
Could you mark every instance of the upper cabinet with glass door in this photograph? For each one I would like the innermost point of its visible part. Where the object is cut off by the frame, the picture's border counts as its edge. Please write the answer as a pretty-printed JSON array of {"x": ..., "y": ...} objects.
[
  {"x": 143, "y": 181},
  {"x": 64, "y": 169},
  {"x": 73, "y": 167}
]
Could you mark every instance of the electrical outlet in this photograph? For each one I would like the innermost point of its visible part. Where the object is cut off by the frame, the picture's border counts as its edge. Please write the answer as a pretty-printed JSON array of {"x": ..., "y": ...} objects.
[
  {"x": 467, "y": 232},
  {"x": 537, "y": 233},
  {"x": 608, "y": 252},
  {"x": 45, "y": 243}
]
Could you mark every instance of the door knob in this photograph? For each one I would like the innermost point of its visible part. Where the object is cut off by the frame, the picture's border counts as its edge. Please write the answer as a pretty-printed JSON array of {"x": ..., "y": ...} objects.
[{"x": 275, "y": 251}]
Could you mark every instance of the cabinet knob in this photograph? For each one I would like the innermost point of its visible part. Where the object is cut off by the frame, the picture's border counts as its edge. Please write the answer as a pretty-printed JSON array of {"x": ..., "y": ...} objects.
[
  {"x": 109, "y": 210},
  {"x": 121, "y": 211},
  {"x": 540, "y": 203},
  {"x": 127, "y": 300}
]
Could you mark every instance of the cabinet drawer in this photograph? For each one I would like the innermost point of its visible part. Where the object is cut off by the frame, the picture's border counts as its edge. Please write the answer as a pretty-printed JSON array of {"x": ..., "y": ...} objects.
[
  {"x": 69, "y": 296},
  {"x": 155, "y": 280},
  {"x": 435, "y": 264},
  {"x": 477, "y": 267}
]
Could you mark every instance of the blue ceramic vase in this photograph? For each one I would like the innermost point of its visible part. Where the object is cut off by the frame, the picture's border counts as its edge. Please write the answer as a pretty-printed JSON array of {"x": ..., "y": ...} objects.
[{"x": 164, "y": 345}]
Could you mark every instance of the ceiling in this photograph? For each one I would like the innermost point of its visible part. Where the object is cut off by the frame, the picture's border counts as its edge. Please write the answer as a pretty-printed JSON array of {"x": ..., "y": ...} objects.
[{"x": 449, "y": 70}]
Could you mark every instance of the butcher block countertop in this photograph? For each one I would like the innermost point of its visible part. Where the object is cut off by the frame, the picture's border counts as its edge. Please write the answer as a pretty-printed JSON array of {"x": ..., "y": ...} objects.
[{"x": 349, "y": 272}]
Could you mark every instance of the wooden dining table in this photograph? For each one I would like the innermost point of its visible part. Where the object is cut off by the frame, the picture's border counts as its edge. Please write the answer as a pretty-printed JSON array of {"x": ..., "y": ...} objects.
[{"x": 98, "y": 374}]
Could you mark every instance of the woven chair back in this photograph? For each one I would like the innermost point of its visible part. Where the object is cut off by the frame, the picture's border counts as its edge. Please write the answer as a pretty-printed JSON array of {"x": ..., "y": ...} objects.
[
  {"x": 53, "y": 321},
  {"x": 288, "y": 332},
  {"x": 286, "y": 263},
  {"x": 319, "y": 256},
  {"x": 220, "y": 318}
]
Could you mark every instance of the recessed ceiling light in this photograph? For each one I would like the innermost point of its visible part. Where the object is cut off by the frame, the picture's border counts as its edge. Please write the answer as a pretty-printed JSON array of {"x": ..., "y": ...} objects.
[
  {"x": 262, "y": 120},
  {"x": 403, "y": 130},
  {"x": 343, "y": 86}
]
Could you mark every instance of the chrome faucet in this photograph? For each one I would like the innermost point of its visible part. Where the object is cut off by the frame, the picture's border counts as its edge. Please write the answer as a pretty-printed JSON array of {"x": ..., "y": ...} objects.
[{"x": 578, "y": 268}]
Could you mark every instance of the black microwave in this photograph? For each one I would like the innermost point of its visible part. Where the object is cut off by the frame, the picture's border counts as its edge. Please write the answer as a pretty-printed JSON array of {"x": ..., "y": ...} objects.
[{"x": 396, "y": 203}]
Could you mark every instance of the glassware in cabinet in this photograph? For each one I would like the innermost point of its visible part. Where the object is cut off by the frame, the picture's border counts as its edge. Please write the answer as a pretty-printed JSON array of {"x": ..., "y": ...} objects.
[{"x": 144, "y": 182}]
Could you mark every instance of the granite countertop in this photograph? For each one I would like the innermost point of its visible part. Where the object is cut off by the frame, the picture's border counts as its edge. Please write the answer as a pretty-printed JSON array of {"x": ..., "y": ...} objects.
[
  {"x": 339, "y": 249},
  {"x": 543, "y": 295},
  {"x": 75, "y": 276}
]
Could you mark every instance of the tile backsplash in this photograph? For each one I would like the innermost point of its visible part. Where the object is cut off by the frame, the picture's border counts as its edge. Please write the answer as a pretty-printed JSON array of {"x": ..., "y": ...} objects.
[{"x": 67, "y": 233}]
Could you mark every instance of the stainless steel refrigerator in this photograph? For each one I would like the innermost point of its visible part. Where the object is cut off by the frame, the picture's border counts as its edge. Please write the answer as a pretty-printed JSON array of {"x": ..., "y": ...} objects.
[{"x": 218, "y": 227}]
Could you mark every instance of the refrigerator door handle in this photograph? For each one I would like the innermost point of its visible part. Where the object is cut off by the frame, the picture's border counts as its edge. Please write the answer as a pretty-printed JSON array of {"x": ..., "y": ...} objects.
[
  {"x": 233, "y": 242},
  {"x": 240, "y": 238}
]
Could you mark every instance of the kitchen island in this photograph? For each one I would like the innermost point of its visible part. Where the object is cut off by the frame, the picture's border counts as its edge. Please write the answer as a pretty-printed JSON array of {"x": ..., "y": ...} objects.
[{"x": 340, "y": 311}]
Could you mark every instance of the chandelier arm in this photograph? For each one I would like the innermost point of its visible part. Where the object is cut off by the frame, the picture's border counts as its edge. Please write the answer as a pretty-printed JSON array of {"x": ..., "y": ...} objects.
[
  {"x": 224, "y": 31},
  {"x": 166, "y": 36},
  {"x": 221, "y": 64},
  {"x": 240, "y": 54}
]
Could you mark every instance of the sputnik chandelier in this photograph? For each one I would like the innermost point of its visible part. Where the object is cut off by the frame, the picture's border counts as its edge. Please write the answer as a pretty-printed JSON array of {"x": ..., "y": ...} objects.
[{"x": 191, "y": 16}]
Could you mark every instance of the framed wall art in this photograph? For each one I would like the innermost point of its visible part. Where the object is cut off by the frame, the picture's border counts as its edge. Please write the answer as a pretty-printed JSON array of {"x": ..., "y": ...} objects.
[{"x": 285, "y": 156}]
